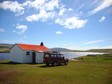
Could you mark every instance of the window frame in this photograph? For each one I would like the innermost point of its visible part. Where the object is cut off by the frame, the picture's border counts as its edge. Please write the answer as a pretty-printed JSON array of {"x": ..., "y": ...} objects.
[{"x": 27, "y": 53}]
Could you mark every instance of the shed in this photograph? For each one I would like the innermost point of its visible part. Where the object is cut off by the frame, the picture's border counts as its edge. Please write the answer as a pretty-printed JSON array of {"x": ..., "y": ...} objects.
[{"x": 27, "y": 53}]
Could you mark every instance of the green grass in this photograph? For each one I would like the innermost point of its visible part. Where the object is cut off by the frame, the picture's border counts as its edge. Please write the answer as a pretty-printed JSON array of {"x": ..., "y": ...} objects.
[
  {"x": 97, "y": 58},
  {"x": 4, "y": 50},
  {"x": 87, "y": 71}
]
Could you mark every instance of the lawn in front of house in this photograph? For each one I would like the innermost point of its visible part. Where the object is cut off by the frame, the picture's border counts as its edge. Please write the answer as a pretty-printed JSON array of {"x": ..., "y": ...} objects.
[{"x": 76, "y": 72}]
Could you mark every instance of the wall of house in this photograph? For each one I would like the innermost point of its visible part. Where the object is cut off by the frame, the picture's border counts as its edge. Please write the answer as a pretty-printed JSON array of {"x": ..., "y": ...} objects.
[
  {"x": 39, "y": 57},
  {"x": 16, "y": 54},
  {"x": 20, "y": 56},
  {"x": 27, "y": 58}
]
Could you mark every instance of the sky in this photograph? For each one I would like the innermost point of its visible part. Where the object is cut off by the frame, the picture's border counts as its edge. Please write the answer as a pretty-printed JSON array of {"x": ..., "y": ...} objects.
[{"x": 72, "y": 24}]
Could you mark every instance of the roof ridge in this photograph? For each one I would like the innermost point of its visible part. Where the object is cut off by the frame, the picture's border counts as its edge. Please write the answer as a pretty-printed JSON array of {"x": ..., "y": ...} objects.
[
  {"x": 32, "y": 47},
  {"x": 28, "y": 44}
]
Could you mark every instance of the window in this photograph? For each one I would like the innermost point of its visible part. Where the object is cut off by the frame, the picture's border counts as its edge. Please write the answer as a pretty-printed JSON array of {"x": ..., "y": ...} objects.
[
  {"x": 52, "y": 55},
  {"x": 46, "y": 55},
  {"x": 62, "y": 56},
  {"x": 55, "y": 55},
  {"x": 27, "y": 53},
  {"x": 58, "y": 56}
]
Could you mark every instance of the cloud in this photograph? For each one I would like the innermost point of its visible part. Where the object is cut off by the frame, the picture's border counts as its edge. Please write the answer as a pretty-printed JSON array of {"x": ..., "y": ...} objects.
[
  {"x": 12, "y": 6},
  {"x": 59, "y": 32},
  {"x": 102, "y": 19},
  {"x": 20, "y": 27},
  {"x": 45, "y": 9},
  {"x": 48, "y": 5},
  {"x": 43, "y": 15},
  {"x": 71, "y": 23},
  {"x": 51, "y": 5},
  {"x": 1, "y": 30},
  {"x": 64, "y": 10},
  {"x": 93, "y": 42},
  {"x": 104, "y": 4}
]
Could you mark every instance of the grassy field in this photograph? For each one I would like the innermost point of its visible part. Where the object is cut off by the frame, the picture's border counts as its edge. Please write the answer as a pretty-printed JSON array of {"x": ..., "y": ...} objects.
[
  {"x": 88, "y": 70},
  {"x": 4, "y": 50}
]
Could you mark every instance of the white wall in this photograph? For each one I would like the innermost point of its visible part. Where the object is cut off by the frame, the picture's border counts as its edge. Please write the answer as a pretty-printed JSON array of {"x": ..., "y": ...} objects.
[
  {"x": 19, "y": 55},
  {"x": 16, "y": 54},
  {"x": 27, "y": 58},
  {"x": 39, "y": 57}
]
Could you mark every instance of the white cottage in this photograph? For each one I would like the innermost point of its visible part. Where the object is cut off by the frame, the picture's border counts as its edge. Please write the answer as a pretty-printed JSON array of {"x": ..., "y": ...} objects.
[{"x": 27, "y": 53}]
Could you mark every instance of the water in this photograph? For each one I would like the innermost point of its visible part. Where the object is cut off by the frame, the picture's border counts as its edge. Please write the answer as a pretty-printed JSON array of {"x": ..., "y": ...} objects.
[
  {"x": 4, "y": 56},
  {"x": 71, "y": 55}
]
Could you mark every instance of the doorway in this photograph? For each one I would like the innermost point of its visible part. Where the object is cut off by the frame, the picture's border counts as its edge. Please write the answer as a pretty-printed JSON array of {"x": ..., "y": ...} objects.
[{"x": 33, "y": 57}]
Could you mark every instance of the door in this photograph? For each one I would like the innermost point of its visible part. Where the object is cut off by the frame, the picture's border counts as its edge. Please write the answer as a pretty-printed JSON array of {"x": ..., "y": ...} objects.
[
  {"x": 39, "y": 57},
  {"x": 33, "y": 57}
]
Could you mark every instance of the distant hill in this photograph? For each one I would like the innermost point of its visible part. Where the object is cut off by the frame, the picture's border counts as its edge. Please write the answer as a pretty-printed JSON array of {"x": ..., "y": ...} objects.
[
  {"x": 100, "y": 50},
  {"x": 5, "y": 47},
  {"x": 91, "y": 50},
  {"x": 63, "y": 50},
  {"x": 59, "y": 49}
]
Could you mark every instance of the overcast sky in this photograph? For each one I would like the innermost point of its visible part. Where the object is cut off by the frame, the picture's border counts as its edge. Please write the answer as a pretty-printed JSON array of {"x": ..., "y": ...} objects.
[{"x": 73, "y": 24}]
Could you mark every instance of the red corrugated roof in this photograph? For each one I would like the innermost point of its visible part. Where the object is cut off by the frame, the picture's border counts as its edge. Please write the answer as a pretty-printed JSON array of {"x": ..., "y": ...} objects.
[{"x": 37, "y": 48}]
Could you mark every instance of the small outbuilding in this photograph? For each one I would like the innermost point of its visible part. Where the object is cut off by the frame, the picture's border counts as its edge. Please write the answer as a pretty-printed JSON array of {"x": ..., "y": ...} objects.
[{"x": 27, "y": 53}]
